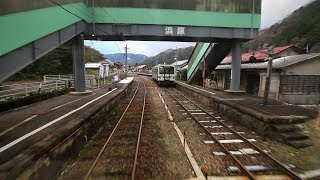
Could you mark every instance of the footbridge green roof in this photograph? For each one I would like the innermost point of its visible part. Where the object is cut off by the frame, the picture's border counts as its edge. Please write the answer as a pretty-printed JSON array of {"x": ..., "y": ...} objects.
[{"x": 25, "y": 21}]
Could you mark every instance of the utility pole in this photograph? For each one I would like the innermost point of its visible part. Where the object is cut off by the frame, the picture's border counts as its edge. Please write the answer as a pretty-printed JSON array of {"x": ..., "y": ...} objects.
[
  {"x": 93, "y": 19},
  {"x": 268, "y": 76},
  {"x": 176, "y": 57},
  {"x": 126, "y": 62},
  {"x": 203, "y": 74}
]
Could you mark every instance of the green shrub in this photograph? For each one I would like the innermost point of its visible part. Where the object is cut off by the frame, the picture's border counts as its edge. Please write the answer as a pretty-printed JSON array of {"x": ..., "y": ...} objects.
[{"x": 16, "y": 102}]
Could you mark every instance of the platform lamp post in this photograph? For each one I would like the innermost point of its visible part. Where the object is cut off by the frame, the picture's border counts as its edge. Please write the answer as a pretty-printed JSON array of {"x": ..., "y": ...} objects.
[
  {"x": 176, "y": 67},
  {"x": 126, "y": 62},
  {"x": 270, "y": 52}
]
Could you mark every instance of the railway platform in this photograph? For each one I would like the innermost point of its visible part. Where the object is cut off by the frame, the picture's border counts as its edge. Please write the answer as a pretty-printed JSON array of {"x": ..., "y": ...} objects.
[
  {"x": 52, "y": 129},
  {"x": 277, "y": 120}
]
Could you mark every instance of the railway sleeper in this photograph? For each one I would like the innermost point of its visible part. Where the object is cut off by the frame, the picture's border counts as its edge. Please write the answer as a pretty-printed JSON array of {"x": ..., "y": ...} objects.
[{"x": 257, "y": 168}]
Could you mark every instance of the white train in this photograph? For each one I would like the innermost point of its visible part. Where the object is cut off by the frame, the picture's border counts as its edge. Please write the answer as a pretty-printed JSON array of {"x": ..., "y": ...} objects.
[{"x": 164, "y": 74}]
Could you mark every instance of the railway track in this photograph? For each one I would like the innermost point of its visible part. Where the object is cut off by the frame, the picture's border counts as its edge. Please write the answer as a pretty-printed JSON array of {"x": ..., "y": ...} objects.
[
  {"x": 232, "y": 143},
  {"x": 118, "y": 156}
]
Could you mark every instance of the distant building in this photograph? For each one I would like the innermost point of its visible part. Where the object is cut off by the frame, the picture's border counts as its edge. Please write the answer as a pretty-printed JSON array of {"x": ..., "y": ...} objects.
[
  {"x": 144, "y": 69},
  {"x": 182, "y": 67},
  {"x": 295, "y": 79},
  {"x": 180, "y": 64},
  {"x": 107, "y": 61},
  {"x": 220, "y": 79},
  {"x": 100, "y": 70}
]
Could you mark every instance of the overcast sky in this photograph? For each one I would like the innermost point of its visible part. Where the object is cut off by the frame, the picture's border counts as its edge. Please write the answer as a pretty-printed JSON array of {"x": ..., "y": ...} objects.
[{"x": 272, "y": 11}]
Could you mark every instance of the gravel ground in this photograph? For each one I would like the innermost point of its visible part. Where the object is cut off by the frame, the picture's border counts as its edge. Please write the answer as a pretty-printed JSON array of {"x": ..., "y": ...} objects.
[
  {"x": 161, "y": 155},
  {"x": 204, "y": 152},
  {"x": 305, "y": 159},
  {"x": 77, "y": 167}
]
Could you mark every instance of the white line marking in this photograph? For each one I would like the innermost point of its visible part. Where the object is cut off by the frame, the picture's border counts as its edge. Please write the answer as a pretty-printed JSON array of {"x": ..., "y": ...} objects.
[
  {"x": 231, "y": 141},
  {"x": 223, "y": 133},
  {"x": 33, "y": 116},
  {"x": 245, "y": 151},
  {"x": 208, "y": 142},
  {"x": 204, "y": 121},
  {"x": 234, "y": 141},
  {"x": 15, "y": 126},
  {"x": 219, "y": 153},
  {"x": 213, "y": 126},
  {"x": 198, "y": 113},
  {"x": 311, "y": 174},
  {"x": 50, "y": 123}
]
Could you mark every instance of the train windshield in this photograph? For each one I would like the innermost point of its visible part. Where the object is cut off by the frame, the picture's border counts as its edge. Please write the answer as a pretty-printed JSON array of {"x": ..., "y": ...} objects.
[{"x": 166, "y": 70}]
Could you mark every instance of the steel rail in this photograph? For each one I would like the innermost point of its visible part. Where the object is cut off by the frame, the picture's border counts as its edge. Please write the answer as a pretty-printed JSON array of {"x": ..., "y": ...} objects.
[
  {"x": 289, "y": 172},
  {"x": 106, "y": 143},
  {"x": 139, "y": 136},
  {"x": 242, "y": 167}
]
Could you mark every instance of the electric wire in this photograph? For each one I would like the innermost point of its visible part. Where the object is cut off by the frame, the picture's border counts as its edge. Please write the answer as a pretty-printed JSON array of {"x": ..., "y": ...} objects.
[{"x": 84, "y": 20}]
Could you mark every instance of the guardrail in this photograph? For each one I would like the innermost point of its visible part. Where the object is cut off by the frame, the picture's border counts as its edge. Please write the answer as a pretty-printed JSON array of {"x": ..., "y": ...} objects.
[
  {"x": 91, "y": 81},
  {"x": 15, "y": 90},
  {"x": 50, "y": 82}
]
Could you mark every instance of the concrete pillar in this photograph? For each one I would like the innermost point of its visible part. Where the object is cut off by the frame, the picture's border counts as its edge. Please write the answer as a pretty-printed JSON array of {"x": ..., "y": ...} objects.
[
  {"x": 78, "y": 63},
  {"x": 235, "y": 65}
]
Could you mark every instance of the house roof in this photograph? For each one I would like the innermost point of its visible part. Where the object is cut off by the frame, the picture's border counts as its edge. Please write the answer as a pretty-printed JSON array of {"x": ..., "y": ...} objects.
[
  {"x": 180, "y": 63},
  {"x": 92, "y": 65},
  {"x": 107, "y": 61},
  {"x": 283, "y": 48},
  {"x": 141, "y": 66},
  {"x": 259, "y": 56},
  {"x": 184, "y": 67},
  {"x": 276, "y": 63}
]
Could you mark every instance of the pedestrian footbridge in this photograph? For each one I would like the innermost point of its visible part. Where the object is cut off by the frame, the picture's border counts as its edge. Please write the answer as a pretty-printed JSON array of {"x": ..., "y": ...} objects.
[{"x": 30, "y": 29}]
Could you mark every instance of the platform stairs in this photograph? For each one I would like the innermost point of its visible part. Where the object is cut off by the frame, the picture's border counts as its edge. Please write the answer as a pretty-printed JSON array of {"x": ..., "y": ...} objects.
[{"x": 292, "y": 134}]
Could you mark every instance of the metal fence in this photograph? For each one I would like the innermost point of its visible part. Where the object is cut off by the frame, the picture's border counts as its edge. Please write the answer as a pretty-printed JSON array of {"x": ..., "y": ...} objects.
[
  {"x": 17, "y": 90},
  {"x": 50, "y": 82},
  {"x": 91, "y": 81}
]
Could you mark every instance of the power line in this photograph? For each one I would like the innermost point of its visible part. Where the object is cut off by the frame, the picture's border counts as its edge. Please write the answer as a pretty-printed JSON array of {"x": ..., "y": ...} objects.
[{"x": 84, "y": 20}]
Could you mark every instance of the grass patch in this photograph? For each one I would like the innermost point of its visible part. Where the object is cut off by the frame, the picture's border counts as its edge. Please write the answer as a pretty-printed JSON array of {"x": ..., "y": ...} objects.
[{"x": 304, "y": 159}]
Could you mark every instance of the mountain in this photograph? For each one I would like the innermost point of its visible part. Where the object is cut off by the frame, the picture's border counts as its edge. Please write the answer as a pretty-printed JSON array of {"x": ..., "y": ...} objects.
[
  {"x": 134, "y": 58},
  {"x": 168, "y": 56},
  {"x": 301, "y": 28}
]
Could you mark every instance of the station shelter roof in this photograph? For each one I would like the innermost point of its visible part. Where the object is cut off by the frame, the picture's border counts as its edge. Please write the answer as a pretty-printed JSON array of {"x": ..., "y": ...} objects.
[{"x": 258, "y": 56}]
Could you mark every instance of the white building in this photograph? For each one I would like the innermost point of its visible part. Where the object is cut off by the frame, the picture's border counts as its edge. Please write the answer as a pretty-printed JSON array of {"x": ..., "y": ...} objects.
[{"x": 100, "y": 70}]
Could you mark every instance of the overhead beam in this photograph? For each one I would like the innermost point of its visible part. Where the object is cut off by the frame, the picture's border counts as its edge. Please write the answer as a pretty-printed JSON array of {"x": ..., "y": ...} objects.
[
  {"x": 169, "y": 33},
  {"x": 18, "y": 59}
]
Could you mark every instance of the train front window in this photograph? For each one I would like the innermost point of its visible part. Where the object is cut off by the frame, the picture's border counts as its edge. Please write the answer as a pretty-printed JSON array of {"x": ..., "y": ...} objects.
[
  {"x": 166, "y": 70},
  {"x": 161, "y": 70},
  {"x": 169, "y": 70}
]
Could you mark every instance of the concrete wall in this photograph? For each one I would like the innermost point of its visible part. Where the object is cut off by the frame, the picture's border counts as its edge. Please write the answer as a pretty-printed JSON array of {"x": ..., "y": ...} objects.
[{"x": 304, "y": 68}]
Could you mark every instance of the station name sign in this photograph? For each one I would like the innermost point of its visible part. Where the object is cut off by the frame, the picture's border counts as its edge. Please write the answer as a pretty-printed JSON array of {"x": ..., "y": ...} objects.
[{"x": 172, "y": 30}]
